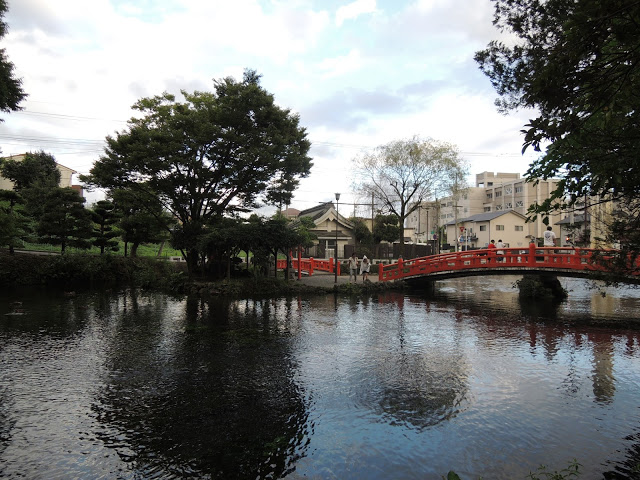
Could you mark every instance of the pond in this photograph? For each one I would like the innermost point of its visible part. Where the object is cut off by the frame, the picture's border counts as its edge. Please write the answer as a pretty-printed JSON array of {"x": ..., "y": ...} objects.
[{"x": 133, "y": 385}]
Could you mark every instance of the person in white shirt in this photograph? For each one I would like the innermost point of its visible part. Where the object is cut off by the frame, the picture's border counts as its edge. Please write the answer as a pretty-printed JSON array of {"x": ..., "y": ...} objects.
[
  {"x": 549, "y": 238},
  {"x": 353, "y": 267},
  {"x": 364, "y": 268},
  {"x": 499, "y": 252}
]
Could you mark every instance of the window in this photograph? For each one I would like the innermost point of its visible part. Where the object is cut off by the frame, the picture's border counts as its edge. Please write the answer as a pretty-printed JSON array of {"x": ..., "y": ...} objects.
[
  {"x": 499, "y": 228},
  {"x": 507, "y": 190},
  {"x": 508, "y": 205},
  {"x": 498, "y": 207},
  {"x": 519, "y": 189},
  {"x": 449, "y": 204},
  {"x": 483, "y": 228},
  {"x": 498, "y": 193},
  {"x": 490, "y": 184},
  {"x": 489, "y": 196},
  {"x": 519, "y": 228},
  {"x": 519, "y": 204},
  {"x": 487, "y": 209}
]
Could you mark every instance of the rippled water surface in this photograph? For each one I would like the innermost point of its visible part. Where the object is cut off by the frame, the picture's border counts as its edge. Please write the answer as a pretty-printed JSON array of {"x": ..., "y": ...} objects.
[{"x": 135, "y": 386}]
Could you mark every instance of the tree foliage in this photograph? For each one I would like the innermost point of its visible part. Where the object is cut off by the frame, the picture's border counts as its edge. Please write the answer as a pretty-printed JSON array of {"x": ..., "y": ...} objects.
[
  {"x": 64, "y": 220},
  {"x": 15, "y": 225},
  {"x": 215, "y": 152},
  {"x": 140, "y": 222},
  {"x": 361, "y": 232},
  {"x": 578, "y": 65},
  {"x": 403, "y": 173},
  {"x": 105, "y": 217},
  {"x": 11, "y": 92},
  {"x": 386, "y": 228},
  {"x": 36, "y": 169}
]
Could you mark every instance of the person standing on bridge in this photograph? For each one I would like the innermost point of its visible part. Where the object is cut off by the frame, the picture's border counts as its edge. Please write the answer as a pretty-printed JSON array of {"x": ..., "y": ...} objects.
[
  {"x": 499, "y": 252},
  {"x": 492, "y": 249},
  {"x": 353, "y": 267},
  {"x": 549, "y": 237}
]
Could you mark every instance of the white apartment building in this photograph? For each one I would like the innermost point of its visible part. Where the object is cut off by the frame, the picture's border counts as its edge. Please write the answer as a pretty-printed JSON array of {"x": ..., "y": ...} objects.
[{"x": 493, "y": 192}]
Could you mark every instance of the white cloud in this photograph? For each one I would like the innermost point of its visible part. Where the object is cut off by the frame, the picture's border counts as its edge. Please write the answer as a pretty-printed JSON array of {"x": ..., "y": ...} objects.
[
  {"x": 407, "y": 70},
  {"x": 354, "y": 10}
]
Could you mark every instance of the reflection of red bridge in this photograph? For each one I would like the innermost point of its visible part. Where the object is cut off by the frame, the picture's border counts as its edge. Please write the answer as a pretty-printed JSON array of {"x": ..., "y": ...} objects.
[{"x": 576, "y": 262}]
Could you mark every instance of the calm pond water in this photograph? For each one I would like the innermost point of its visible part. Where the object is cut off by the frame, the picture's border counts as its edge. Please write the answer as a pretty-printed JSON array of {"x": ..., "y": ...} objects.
[{"x": 398, "y": 386}]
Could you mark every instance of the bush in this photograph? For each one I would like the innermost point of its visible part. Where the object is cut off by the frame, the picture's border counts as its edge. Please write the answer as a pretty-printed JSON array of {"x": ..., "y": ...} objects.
[{"x": 77, "y": 271}]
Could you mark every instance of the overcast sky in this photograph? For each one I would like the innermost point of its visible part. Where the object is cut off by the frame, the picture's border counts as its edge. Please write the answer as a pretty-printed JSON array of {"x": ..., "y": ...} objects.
[{"x": 360, "y": 74}]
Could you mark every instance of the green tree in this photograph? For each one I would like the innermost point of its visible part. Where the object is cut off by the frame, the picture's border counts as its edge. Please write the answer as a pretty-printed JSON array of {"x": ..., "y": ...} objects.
[
  {"x": 105, "y": 217},
  {"x": 15, "y": 226},
  {"x": 386, "y": 228},
  {"x": 578, "y": 65},
  {"x": 140, "y": 223},
  {"x": 402, "y": 174},
  {"x": 36, "y": 169},
  {"x": 361, "y": 232},
  {"x": 214, "y": 153},
  {"x": 11, "y": 93},
  {"x": 64, "y": 220}
]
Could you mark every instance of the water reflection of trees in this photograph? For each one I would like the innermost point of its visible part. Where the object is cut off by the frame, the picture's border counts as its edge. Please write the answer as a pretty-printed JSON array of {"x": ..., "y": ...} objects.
[
  {"x": 202, "y": 391},
  {"x": 412, "y": 382},
  {"x": 7, "y": 423}
]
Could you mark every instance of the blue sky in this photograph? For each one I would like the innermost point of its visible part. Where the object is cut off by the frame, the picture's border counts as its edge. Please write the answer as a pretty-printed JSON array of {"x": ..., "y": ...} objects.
[{"x": 360, "y": 74}]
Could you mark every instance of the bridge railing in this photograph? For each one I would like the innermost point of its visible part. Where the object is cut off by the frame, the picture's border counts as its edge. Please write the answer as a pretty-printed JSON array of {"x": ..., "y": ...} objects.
[
  {"x": 504, "y": 258},
  {"x": 309, "y": 265}
]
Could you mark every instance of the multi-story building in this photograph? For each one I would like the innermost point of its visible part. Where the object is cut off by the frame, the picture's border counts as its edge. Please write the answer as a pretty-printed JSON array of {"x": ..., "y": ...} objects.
[{"x": 493, "y": 193}]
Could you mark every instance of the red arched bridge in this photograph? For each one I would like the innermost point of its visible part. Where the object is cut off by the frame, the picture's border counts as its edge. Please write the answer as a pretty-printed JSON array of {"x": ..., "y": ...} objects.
[
  {"x": 562, "y": 261},
  {"x": 572, "y": 262}
]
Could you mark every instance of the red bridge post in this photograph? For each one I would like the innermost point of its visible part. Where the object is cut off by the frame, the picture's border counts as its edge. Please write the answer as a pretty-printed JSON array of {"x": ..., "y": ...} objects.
[{"x": 532, "y": 254}]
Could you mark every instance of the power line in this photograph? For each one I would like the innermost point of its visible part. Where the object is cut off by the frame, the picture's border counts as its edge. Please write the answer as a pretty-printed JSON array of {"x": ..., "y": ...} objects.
[{"x": 65, "y": 117}]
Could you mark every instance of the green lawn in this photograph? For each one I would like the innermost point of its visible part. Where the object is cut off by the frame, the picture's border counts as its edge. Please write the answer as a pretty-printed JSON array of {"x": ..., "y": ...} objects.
[{"x": 146, "y": 250}]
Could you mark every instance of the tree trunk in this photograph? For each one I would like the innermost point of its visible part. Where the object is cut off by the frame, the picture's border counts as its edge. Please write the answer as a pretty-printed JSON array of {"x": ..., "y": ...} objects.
[
  {"x": 161, "y": 247},
  {"x": 134, "y": 249}
]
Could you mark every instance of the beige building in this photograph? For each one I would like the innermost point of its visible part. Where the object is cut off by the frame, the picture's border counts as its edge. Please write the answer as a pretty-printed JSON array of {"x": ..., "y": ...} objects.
[
  {"x": 478, "y": 230},
  {"x": 331, "y": 229},
  {"x": 66, "y": 176}
]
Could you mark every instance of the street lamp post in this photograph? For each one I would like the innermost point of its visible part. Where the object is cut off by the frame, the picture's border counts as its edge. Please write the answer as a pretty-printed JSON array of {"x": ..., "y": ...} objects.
[{"x": 335, "y": 267}]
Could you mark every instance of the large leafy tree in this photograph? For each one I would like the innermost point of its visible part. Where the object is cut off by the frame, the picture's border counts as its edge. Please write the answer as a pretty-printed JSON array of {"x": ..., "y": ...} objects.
[
  {"x": 403, "y": 173},
  {"x": 140, "y": 223},
  {"x": 11, "y": 93},
  {"x": 213, "y": 153},
  {"x": 577, "y": 63}
]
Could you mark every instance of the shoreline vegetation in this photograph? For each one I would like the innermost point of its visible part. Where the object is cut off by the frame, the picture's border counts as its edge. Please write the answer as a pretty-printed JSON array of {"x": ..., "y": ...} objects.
[{"x": 70, "y": 272}]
